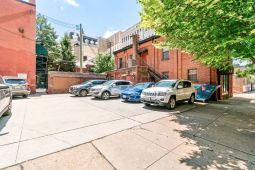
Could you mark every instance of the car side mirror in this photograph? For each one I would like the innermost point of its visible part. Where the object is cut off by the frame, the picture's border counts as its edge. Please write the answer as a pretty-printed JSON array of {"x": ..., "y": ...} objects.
[
  {"x": 180, "y": 87},
  {"x": 114, "y": 85}
]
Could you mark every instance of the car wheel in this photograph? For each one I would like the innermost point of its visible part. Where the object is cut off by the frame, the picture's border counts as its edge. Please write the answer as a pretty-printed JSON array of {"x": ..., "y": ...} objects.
[
  {"x": 147, "y": 104},
  {"x": 9, "y": 111},
  {"x": 25, "y": 96},
  {"x": 105, "y": 95},
  {"x": 171, "y": 104},
  {"x": 192, "y": 99},
  {"x": 83, "y": 93}
]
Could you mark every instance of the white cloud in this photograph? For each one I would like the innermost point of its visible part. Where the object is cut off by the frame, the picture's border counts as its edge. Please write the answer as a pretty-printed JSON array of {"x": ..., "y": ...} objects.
[
  {"x": 73, "y": 3},
  {"x": 109, "y": 33}
]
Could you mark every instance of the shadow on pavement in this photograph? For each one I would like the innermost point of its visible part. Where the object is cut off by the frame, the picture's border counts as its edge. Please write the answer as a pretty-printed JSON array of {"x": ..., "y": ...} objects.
[{"x": 219, "y": 137}]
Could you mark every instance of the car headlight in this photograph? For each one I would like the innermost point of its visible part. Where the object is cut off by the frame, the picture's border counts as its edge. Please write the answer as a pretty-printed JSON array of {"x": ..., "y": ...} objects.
[{"x": 162, "y": 93}]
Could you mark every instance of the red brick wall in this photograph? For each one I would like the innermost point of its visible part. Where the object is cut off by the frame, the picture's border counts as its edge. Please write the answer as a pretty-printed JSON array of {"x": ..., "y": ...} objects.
[
  {"x": 178, "y": 64},
  {"x": 17, "y": 49},
  {"x": 59, "y": 82}
]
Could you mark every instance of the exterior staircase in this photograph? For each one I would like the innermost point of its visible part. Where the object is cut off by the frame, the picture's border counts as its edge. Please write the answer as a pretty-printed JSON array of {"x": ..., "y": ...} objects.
[{"x": 155, "y": 75}]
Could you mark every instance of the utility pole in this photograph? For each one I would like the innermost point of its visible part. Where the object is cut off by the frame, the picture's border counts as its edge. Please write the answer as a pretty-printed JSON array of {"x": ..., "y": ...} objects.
[{"x": 81, "y": 41}]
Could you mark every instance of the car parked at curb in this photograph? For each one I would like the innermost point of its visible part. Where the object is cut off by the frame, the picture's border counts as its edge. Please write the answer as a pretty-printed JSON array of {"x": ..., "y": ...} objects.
[
  {"x": 133, "y": 93},
  {"x": 110, "y": 88},
  {"x": 83, "y": 89},
  {"x": 5, "y": 98},
  {"x": 168, "y": 92},
  {"x": 19, "y": 86}
]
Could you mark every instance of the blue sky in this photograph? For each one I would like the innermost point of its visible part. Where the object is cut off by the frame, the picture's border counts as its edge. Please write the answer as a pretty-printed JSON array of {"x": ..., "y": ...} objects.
[{"x": 99, "y": 17}]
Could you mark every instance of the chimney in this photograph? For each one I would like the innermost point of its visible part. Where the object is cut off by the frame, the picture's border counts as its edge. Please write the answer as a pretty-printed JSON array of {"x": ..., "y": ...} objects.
[{"x": 135, "y": 39}]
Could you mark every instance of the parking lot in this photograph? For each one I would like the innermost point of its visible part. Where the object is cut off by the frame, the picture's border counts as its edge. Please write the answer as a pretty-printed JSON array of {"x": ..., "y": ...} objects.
[{"x": 194, "y": 136}]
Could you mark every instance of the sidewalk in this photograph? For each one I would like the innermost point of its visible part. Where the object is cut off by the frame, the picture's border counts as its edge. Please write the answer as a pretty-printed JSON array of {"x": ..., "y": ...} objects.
[{"x": 215, "y": 136}]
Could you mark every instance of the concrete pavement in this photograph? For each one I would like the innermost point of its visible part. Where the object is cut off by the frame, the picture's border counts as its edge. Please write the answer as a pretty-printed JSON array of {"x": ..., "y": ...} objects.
[
  {"x": 213, "y": 136},
  {"x": 41, "y": 125}
]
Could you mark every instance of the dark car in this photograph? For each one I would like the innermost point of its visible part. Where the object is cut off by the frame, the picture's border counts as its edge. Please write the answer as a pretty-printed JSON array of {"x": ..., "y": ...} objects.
[
  {"x": 18, "y": 86},
  {"x": 5, "y": 98},
  {"x": 133, "y": 93},
  {"x": 83, "y": 89}
]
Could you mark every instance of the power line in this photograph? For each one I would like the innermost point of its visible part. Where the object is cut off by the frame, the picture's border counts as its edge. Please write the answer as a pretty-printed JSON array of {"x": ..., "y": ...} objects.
[{"x": 59, "y": 22}]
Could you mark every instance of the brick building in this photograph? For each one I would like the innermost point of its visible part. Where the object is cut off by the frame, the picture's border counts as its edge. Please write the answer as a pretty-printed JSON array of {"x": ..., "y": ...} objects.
[
  {"x": 141, "y": 61},
  {"x": 17, "y": 39}
]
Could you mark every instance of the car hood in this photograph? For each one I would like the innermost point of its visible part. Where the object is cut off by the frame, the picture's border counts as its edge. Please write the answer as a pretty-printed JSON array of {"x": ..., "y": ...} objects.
[
  {"x": 158, "y": 89},
  {"x": 98, "y": 87},
  {"x": 133, "y": 90},
  {"x": 79, "y": 86}
]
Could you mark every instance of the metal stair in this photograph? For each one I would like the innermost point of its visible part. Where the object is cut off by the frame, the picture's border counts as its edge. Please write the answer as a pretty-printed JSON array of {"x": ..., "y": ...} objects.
[{"x": 153, "y": 73}]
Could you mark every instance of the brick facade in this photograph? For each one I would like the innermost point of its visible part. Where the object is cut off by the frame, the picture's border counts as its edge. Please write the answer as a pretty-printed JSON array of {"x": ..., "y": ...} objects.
[
  {"x": 17, "y": 39},
  {"x": 176, "y": 67}
]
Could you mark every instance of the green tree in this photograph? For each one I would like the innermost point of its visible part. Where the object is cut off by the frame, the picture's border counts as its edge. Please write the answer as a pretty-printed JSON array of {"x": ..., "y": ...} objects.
[
  {"x": 214, "y": 31},
  {"x": 67, "y": 61},
  {"x": 46, "y": 35},
  {"x": 103, "y": 63}
]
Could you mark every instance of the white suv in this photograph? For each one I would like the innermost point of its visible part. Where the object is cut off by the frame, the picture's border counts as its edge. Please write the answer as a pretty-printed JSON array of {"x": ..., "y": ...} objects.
[{"x": 168, "y": 92}]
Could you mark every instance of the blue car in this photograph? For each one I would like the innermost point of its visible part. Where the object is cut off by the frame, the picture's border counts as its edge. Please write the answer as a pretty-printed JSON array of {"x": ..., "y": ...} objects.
[{"x": 133, "y": 93}]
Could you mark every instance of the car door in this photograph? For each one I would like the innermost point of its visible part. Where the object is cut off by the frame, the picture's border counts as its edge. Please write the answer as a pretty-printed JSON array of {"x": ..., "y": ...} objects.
[
  {"x": 4, "y": 95},
  {"x": 188, "y": 89},
  {"x": 180, "y": 91},
  {"x": 115, "y": 88}
]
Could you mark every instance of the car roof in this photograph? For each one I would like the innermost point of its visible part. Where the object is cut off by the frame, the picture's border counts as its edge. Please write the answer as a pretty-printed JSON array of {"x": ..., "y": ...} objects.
[{"x": 13, "y": 77}]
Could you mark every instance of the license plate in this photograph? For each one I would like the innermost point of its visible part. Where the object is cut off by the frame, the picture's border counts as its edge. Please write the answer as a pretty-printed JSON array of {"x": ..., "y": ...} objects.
[{"x": 124, "y": 96}]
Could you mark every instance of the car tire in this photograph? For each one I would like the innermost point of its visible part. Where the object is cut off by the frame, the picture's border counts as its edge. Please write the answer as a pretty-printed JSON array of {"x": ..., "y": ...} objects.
[
  {"x": 83, "y": 93},
  {"x": 147, "y": 104},
  {"x": 25, "y": 96},
  {"x": 105, "y": 95},
  {"x": 192, "y": 99},
  {"x": 171, "y": 103},
  {"x": 9, "y": 111}
]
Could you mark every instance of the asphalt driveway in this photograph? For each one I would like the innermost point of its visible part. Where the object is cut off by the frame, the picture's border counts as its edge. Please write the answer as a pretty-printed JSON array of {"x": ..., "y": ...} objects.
[{"x": 84, "y": 133}]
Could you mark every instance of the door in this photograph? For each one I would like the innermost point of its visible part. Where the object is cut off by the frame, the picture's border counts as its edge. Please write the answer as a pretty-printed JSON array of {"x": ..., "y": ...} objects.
[
  {"x": 187, "y": 89},
  {"x": 4, "y": 95},
  {"x": 180, "y": 91}
]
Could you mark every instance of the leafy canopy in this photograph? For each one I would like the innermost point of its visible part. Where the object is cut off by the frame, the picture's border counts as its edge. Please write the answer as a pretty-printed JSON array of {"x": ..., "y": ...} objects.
[
  {"x": 60, "y": 57},
  {"x": 214, "y": 31},
  {"x": 67, "y": 61},
  {"x": 103, "y": 63}
]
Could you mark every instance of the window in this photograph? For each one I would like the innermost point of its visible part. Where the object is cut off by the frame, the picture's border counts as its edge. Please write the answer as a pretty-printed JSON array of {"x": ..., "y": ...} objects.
[
  {"x": 192, "y": 75},
  {"x": 187, "y": 84},
  {"x": 165, "y": 75},
  {"x": 122, "y": 83},
  {"x": 165, "y": 54},
  {"x": 121, "y": 65},
  {"x": 181, "y": 83},
  {"x": 85, "y": 58},
  {"x": 225, "y": 84}
]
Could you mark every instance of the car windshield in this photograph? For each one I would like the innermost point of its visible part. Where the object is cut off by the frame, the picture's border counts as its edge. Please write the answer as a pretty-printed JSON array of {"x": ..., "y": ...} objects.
[
  {"x": 15, "y": 81},
  {"x": 170, "y": 83},
  {"x": 140, "y": 85},
  {"x": 86, "y": 82},
  {"x": 108, "y": 83}
]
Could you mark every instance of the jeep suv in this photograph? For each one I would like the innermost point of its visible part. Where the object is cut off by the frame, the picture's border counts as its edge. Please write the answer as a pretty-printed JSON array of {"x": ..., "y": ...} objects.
[
  {"x": 168, "y": 92},
  {"x": 110, "y": 88}
]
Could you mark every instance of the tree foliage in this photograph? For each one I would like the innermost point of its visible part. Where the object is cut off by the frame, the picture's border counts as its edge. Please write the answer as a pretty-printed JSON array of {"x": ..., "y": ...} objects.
[
  {"x": 47, "y": 36},
  {"x": 214, "y": 31},
  {"x": 67, "y": 61},
  {"x": 103, "y": 63},
  {"x": 60, "y": 53}
]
